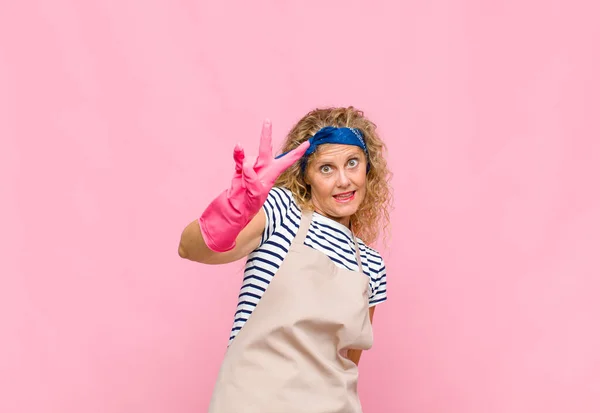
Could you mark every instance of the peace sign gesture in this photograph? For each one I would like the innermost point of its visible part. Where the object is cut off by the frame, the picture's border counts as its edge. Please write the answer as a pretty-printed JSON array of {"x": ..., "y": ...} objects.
[
  {"x": 229, "y": 213},
  {"x": 260, "y": 173}
]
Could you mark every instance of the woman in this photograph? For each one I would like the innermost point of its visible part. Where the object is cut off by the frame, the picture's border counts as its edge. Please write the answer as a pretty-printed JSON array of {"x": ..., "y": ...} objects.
[{"x": 311, "y": 282}]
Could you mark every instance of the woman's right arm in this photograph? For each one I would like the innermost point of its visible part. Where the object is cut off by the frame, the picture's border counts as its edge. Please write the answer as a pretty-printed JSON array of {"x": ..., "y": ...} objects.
[
  {"x": 233, "y": 223},
  {"x": 193, "y": 247}
]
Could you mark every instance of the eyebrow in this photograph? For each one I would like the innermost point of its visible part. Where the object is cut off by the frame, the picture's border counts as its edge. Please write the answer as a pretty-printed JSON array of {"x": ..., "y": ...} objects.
[{"x": 354, "y": 154}]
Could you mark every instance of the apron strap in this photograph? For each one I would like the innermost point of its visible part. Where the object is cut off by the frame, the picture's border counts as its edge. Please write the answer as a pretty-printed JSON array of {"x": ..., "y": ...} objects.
[
  {"x": 357, "y": 252},
  {"x": 304, "y": 224},
  {"x": 360, "y": 267}
]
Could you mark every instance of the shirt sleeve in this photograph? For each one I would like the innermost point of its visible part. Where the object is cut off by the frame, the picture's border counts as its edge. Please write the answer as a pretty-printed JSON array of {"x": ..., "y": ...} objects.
[
  {"x": 378, "y": 286},
  {"x": 276, "y": 208}
]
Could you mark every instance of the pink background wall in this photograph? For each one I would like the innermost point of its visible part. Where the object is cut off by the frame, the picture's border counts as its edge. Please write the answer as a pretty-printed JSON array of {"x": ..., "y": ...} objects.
[{"x": 117, "y": 123}]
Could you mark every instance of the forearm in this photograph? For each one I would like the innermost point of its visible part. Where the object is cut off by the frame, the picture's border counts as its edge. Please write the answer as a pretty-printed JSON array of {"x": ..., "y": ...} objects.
[
  {"x": 193, "y": 247},
  {"x": 232, "y": 224}
]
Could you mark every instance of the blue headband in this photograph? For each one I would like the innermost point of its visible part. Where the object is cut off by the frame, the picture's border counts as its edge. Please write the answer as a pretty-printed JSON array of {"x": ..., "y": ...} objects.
[{"x": 332, "y": 134}]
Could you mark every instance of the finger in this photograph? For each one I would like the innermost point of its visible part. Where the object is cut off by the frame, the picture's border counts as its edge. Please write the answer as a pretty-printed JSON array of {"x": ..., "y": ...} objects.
[
  {"x": 265, "y": 150},
  {"x": 238, "y": 157},
  {"x": 250, "y": 178},
  {"x": 292, "y": 156}
]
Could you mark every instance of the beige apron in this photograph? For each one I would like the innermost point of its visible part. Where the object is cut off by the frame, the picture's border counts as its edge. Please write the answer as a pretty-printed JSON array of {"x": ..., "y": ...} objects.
[{"x": 291, "y": 354}]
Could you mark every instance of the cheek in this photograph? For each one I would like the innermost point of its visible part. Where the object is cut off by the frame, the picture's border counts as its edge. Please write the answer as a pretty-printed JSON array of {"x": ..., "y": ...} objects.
[
  {"x": 360, "y": 181},
  {"x": 325, "y": 188},
  {"x": 321, "y": 187}
]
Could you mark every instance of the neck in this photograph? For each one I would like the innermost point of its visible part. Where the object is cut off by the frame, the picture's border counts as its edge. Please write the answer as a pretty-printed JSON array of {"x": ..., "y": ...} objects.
[{"x": 345, "y": 221}]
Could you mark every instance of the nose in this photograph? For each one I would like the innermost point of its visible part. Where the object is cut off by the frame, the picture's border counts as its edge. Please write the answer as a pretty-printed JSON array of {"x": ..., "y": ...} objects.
[{"x": 343, "y": 180}]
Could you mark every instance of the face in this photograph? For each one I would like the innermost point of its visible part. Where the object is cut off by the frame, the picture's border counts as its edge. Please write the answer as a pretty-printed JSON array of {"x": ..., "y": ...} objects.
[{"x": 337, "y": 176}]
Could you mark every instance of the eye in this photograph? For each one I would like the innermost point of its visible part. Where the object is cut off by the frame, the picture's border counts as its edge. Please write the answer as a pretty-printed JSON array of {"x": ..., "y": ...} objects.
[
  {"x": 352, "y": 163},
  {"x": 325, "y": 169}
]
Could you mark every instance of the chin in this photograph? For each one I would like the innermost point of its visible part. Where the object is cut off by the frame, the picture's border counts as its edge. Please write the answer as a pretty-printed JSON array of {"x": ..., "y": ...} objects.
[
  {"x": 347, "y": 209},
  {"x": 338, "y": 211}
]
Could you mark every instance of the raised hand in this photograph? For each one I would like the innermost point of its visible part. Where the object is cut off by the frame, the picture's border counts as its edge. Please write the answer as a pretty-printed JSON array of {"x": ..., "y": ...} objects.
[
  {"x": 259, "y": 174},
  {"x": 228, "y": 214}
]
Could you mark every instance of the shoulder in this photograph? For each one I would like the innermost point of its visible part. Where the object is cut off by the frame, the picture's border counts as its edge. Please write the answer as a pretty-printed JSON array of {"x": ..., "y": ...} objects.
[
  {"x": 376, "y": 272},
  {"x": 370, "y": 251},
  {"x": 280, "y": 209},
  {"x": 281, "y": 196},
  {"x": 374, "y": 260},
  {"x": 279, "y": 200},
  {"x": 282, "y": 191}
]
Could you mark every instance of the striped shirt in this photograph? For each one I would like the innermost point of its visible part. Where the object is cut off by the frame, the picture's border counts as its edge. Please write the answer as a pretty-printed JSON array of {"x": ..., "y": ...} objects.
[{"x": 330, "y": 237}]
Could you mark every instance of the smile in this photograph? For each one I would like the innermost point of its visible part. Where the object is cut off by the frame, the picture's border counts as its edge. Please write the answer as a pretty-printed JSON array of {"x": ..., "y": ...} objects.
[{"x": 345, "y": 197}]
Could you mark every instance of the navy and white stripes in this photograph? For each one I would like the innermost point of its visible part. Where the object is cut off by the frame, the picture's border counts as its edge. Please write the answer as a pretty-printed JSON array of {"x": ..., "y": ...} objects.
[{"x": 333, "y": 239}]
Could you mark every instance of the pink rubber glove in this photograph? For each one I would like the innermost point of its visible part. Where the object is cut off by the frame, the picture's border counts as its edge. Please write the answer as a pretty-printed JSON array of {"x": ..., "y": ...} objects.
[{"x": 227, "y": 215}]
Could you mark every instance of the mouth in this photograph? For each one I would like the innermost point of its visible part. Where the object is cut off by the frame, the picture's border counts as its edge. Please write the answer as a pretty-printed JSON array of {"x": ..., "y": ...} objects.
[{"x": 345, "y": 196}]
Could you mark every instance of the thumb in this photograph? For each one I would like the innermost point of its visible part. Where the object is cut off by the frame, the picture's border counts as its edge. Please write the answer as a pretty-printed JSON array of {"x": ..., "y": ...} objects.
[
  {"x": 238, "y": 157},
  {"x": 251, "y": 181}
]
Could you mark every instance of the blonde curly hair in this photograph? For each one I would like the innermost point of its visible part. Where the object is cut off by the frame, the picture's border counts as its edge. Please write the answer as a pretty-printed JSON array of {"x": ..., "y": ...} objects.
[{"x": 373, "y": 216}]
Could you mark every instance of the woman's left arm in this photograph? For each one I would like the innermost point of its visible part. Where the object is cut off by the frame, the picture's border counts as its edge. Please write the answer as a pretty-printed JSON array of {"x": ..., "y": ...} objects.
[{"x": 353, "y": 354}]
